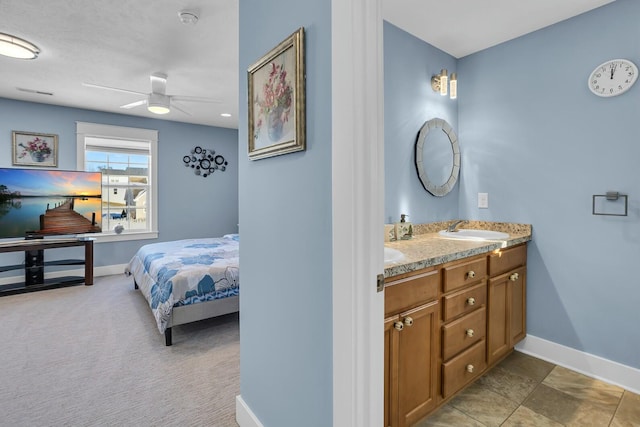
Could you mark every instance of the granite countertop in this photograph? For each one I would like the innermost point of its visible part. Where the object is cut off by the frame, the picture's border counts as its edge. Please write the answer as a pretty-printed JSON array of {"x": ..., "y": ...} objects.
[{"x": 427, "y": 248}]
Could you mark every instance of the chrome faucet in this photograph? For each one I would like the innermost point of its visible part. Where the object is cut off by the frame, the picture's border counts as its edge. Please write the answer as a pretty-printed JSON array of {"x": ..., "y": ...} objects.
[{"x": 452, "y": 227}]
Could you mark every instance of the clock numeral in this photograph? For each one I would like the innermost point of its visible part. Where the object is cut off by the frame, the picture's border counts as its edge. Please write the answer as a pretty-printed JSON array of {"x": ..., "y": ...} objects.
[{"x": 598, "y": 75}]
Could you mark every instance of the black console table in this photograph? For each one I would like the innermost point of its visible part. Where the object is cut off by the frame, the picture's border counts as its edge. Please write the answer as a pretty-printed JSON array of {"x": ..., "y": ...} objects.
[{"x": 34, "y": 264}]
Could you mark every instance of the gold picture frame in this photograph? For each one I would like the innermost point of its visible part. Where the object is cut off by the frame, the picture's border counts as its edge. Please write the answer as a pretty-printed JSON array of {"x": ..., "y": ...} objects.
[
  {"x": 276, "y": 98},
  {"x": 34, "y": 149}
]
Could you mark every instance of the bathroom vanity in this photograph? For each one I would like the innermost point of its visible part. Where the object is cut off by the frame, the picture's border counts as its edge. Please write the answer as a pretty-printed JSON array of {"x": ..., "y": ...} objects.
[{"x": 453, "y": 309}]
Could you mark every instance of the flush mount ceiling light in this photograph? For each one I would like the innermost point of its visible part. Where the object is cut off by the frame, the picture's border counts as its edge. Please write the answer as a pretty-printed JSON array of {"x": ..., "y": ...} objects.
[
  {"x": 188, "y": 17},
  {"x": 15, "y": 47},
  {"x": 439, "y": 83}
]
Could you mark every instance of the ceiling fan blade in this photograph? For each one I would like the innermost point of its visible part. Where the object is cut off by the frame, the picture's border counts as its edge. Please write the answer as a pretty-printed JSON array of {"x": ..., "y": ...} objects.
[
  {"x": 158, "y": 83},
  {"x": 113, "y": 88},
  {"x": 195, "y": 99},
  {"x": 134, "y": 104},
  {"x": 173, "y": 105}
]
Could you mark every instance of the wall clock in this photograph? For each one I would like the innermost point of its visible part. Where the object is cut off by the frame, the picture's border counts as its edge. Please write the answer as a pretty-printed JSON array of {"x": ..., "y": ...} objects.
[{"x": 613, "y": 77}]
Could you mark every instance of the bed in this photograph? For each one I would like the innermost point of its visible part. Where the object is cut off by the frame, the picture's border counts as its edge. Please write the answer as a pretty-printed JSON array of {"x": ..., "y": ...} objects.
[{"x": 188, "y": 280}]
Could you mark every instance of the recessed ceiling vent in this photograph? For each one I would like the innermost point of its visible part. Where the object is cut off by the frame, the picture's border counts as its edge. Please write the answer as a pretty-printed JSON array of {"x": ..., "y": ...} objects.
[{"x": 38, "y": 92}]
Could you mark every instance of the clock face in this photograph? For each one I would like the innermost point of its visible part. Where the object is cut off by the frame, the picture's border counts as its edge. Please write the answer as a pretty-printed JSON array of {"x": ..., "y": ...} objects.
[{"x": 613, "y": 77}]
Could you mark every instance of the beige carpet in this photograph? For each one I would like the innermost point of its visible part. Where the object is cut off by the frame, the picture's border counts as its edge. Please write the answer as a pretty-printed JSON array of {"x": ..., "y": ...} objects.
[{"x": 93, "y": 356}]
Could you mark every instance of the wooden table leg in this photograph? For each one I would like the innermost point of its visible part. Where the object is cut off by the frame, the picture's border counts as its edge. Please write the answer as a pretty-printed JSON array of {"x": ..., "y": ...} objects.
[{"x": 88, "y": 262}]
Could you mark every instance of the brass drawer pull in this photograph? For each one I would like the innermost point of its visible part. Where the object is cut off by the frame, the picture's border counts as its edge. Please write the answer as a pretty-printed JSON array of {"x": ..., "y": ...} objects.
[
  {"x": 471, "y": 300},
  {"x": 470, "y": 368},
  {"x": 471, "y": 274},
  {"x": 514, "y": 277},
  {"x": 408, "y": 321},
  {"x": 399, "y": 326},
  {"x": 469, "y": 332}
]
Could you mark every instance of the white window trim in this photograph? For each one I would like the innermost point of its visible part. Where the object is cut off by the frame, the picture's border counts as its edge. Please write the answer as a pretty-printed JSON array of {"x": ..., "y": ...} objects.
[{"x": 84, "y": 129}]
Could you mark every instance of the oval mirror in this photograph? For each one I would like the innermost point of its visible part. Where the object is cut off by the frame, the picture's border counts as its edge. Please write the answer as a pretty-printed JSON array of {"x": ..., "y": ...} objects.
[{"x": 437, "y": 157}]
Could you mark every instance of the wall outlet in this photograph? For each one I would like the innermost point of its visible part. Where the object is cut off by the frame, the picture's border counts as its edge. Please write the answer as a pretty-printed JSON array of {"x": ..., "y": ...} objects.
[{"x": 483, "y": 200}]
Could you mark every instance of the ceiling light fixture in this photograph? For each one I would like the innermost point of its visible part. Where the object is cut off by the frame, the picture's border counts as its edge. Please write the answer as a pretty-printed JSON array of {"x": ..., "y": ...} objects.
[
  {"x": 225, "y": 114},
  {"x": 15, "y": 47},
  {"x": 439, "y": 83},
  {"x": 188, "y": 17},
  {"x": 158, "y": 104}
]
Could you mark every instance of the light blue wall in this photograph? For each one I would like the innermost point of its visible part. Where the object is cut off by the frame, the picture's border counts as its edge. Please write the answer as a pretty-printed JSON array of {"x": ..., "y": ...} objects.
[
  {"x": 285, "y": 224},
  {"x": 409, "y": 101},
  {"x": 188, "y": 205},
  {"x": 541, "y": 145}
]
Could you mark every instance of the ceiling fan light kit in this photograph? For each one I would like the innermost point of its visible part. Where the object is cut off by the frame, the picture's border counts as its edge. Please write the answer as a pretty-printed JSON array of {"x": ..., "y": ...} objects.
[
  {"x": 158, "y": 103},
  {"x": 15, "y": 47}
]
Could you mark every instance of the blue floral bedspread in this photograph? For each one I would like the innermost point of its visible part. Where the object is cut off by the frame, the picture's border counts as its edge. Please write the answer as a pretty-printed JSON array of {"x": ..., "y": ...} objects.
[{"x": 183, "y": 272}]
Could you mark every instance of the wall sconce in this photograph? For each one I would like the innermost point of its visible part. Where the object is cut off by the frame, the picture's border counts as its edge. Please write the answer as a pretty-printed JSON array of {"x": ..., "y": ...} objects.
[{"x": 439, "y": 83}]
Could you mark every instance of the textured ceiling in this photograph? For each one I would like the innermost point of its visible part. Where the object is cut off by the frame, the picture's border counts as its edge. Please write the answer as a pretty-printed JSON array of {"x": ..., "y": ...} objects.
[{"x": 119, "y": 43}]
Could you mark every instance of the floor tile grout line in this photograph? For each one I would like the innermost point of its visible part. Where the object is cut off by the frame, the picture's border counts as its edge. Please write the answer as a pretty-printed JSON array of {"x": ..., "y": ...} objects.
[{"x": 613, "y": 417}]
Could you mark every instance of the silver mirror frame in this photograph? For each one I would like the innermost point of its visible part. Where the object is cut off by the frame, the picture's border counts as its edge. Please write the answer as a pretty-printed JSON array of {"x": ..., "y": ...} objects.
[{"x": 428, "y": 126}]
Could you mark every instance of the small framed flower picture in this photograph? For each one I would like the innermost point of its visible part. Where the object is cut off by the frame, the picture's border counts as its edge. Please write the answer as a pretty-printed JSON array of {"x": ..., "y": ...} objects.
[
  {"x": 277, "y": 100},
  {"x": 34, "y": 149}
]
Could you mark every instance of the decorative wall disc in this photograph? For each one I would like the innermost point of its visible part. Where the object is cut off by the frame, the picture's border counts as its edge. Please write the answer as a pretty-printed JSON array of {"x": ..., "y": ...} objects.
[{"x": 204, "y": 161}]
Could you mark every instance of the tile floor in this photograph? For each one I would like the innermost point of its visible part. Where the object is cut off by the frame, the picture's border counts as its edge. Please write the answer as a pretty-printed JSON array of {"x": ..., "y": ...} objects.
[{"x": 525, "y": 391}]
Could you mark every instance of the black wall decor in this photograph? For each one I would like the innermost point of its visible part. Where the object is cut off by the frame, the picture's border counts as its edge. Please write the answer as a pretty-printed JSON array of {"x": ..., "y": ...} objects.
[{"x": 204, "y": 161}]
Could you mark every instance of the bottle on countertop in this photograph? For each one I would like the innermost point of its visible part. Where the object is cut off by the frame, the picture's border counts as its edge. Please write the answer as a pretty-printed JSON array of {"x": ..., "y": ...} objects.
[{"x": 404, "y": 229}]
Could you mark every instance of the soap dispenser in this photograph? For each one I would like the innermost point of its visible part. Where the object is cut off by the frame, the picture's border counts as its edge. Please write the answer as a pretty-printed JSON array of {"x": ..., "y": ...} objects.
[{"x": 404, "y": 229}]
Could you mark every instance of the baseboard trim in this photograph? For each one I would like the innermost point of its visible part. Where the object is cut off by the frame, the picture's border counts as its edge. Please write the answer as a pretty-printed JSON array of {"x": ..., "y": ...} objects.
[
  {"x": 588, "y": 364},
  {"x": 244, "y": 415},
  {"x": 106, "y": 270}
]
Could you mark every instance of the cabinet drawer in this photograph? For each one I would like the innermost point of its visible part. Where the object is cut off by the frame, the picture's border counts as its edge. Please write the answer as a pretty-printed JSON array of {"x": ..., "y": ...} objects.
[
  {"x": 507, "y": 259},
  {"x": 464, "y": 301},
  {"x": 459, "y": 275},
  {"x": 411, "y": 291},
  {"x": 464, "y": 332},
  {"x": 460, "y": 370}
]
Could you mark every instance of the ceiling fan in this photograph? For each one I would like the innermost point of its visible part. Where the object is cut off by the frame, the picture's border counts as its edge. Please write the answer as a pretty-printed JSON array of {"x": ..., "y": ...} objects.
[{"x": 157, "y": 101}]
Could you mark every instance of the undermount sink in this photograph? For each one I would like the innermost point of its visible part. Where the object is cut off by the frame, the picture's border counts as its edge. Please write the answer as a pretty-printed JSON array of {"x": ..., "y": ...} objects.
[
  {"x": 392, "y": 255},
  {"x": 469, "y": 234}
]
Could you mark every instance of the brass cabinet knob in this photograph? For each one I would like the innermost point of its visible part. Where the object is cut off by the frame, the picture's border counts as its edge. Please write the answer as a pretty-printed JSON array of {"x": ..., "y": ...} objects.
[
  {"x": 470, "y": 368},
  {"x": 469, "y": 332},
  {"x": 471, "y": 274},
  {"x": 514, "y": 277},
  {"x": 399, "y": 326},
  {"x": 471, "y": 300},
  {"x": 408, "y": 321}
]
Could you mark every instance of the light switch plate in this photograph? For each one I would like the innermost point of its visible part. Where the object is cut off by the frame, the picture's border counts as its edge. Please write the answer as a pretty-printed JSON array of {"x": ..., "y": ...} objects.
[{"x": 483, "y": 200}]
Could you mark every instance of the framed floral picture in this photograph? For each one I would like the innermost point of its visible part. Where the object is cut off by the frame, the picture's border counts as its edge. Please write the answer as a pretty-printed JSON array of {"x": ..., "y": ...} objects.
[
  {"x": 277, "y": 100},
  {"x": 34, "y": 149}
]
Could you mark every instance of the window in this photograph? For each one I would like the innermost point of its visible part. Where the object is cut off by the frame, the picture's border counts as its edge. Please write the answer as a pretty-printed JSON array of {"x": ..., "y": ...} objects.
[{"x": 127, "y": 158}]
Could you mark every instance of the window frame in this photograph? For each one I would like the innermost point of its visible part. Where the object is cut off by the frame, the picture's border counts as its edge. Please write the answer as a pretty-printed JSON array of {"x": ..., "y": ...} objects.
[{"x": 96, "y": 130}]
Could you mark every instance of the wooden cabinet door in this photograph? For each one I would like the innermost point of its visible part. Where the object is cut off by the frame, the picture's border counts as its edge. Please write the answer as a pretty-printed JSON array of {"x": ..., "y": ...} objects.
[
  {"x": 506, "y": 322},
  {"x": 498, "y": 318},
  {"x": 518, "y": 292},
  {"x": 390, "y": 371},
  {"x": 416, "y": 360}
]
